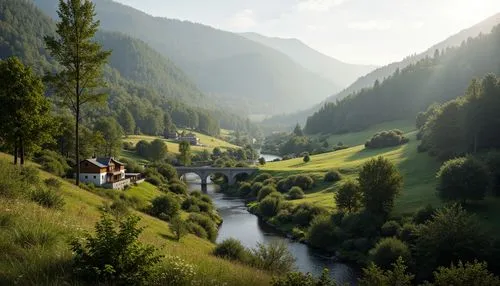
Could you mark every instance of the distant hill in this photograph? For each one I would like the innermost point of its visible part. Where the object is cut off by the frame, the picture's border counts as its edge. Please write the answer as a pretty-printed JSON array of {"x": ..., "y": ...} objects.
[
  {"x": 226, "y": 66},
  {"x": 288, "y": 120},
  {"x": 340, "y": 73},
  {"x": 412, "y": 89}
]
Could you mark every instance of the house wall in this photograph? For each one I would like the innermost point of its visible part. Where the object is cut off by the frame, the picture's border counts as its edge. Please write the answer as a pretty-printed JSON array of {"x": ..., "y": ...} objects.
[{"x": 97, "y": 179}]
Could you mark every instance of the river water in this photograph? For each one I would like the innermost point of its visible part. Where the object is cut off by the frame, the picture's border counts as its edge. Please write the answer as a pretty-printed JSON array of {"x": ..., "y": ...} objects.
[{"x": 246, "y": 227}]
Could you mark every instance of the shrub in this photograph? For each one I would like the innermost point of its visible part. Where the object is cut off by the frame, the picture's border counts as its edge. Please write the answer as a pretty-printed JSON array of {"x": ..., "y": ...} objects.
[
  {"x": 262, "y": 177},
  {"x": 47, "y": 198},
  {"x": 386, "y": 139},
  {"x": 298, "y": 234},
  {"x": 304, "y": 213},
  {"x": 264, "y": 192},
  {"x": 408, "y": 233},
  {"x": 362, "y": 224},
  {"x": 118, "y": 208},
  {"x": 30, "y": 175},
  {"x": 463, "y": 179},
  {"x": 166, "y": 170},
  {"x": 295, "y": 193},
  {"x": 179, "y": 189},
  {"x": 232, "y": 249},
  {"x": 332, "y": 176},
  {"x": 53, "y": 183},
  {"x": 274, "y": 257},
  {"x": 196, "y": 229},
  {"x": 304, "y": 279},
  {"x": 178, "y": 227},
  {"x": 262, "y": 161},
  {"x": 398, "y": 275},
  {"x": 154, "y": 180},
  {"x": 165, "y": 207},
  {"x": 269, "y": 181},
  {"x": 322, "y": 233},
  {"x": 255, "y": 189},
  {"x": 348, "y": 197},
  {"x": 206, "y": 223},
  {"x": 270, "y": 206},
  {"x": 307, "y": 158},
  {"x": 12, "y": 184},
  {"x": 175, "y": 271},
  {"x": 52, "y": 162},
  {"x": 390, "y": 228},
  {"x": 388, "y": 250},
  {"x": 245, "y": 189},
  {"x": 492, "y": 161},
  {"x": 114, "y": 256},
  {"x": 424, "y": 214},
  {"x": 475, "y": 273}
]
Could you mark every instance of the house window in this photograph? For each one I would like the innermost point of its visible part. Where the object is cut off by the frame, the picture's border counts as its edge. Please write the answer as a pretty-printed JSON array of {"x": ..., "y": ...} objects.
[
  {"x": 86, "y": 177},
  {"x": 94, "y": 177}
]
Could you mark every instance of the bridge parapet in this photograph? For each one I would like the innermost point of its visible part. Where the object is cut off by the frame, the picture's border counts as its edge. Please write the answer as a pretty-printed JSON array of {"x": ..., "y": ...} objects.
[{"x": 204, "y": 172}]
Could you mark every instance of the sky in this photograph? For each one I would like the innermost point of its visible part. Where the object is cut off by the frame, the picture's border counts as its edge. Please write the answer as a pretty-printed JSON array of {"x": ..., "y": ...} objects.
[{"x": 374, "y": 32}]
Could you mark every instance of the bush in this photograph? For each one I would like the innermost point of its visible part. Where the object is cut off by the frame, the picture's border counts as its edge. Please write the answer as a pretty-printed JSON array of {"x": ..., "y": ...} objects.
[
  {"x": 390, "y": 228},
  {"x": 167, "y": 171},
  {"x": 424, "y": 214},
  {"x": 53, "y": 183},
  {"x": 119, "y": 208},
  {"x": 245, "y": 189},
  {"x": 304, "y": 213},
  {"x": 52, "y": 162},
  {"x": 154, "y": 180},
  {"x": 303, "y": 181},
  {"x": 387, "y": 139},
  {"x": 362, "y": 224},
  {"x": 270, "y": 206},
  {"x": 398, "y": 275},
  {"x": 465, "y": 274},
  {"x": 301, "y": 279},
  {"x": 322, "y": 233},
  {"x": 332, "y": 176},
  {"x": 262, "y": 161},
  {"x": 264, "y": 192},
  {"x": 492, "y": 161},
  {"x": 165, "y": 207},
  {"x": 388, "y": 250},
  {"x": 463, "y": 179},
  {"x": 295, "y": 193},
  {"x": 307, "y": 158},
  {"x": 47, "y": 198},
  {"x": 114, "y": 256},
  {"x": 348, "y": 197},
  {"x": 269, "y": 181},
  {"x": 274, "y": 257},
  {"x": 231, "y": 249},
  {"x": 132, "y": 166},
  {"x": 206, "y": 223},
  {"x": 30, "y": 175},
  {"x": 262, "y": 177},
  {"x": 196, "y": 229},
  {"x": 179, "y": 189},
  {"x": 255, "y": 189},
  {"x": 408, "y": 233},
  {"x": 178, "y": 227}
]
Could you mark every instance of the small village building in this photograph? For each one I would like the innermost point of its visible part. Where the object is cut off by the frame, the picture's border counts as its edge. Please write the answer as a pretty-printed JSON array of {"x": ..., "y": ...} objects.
[
  {"x": 104, "y": 172},
  {"x": 191, "y": 138}
]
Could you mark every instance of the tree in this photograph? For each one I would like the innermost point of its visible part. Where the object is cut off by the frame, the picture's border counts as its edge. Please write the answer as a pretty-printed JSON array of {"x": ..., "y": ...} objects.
[
  {"x": 379, "y": 182},
  {"x": 82, "y": 60},
  {"x": 348, "y": 197},
  {"x": 165, "y": 207},
  {"x": 475, "y": 273},
  {"x": 185, "y": 153},
  {"x": 451, "y": 235},
  {"x": 388, "y": 250},
  {"x": 127, "y": 121},
  {"x": 114, "y": 256},
  {"x": 158, "y": 150},
  {"x": 297, "y": 131},
  {"x": 374, "y": 276},
  {"x": 307, "y": 159},
  {"x": 262, "y": 161},
  {"x": 463, "y": 179},
  {"x": 24, "y": 111},
  {"x": 112, "y": 133},
  {"x": 178, "y": 227}
]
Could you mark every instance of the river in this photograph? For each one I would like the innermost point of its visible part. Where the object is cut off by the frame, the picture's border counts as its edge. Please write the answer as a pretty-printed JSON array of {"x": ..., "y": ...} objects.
[{"x": 246, "y": 227}]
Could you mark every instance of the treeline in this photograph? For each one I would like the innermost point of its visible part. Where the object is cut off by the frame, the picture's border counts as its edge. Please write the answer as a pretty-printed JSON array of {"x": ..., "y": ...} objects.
[
  {"x": 147, "y": 93},
  {"x": 468, "y": 124},
  {"x": 412, "y": 89}
]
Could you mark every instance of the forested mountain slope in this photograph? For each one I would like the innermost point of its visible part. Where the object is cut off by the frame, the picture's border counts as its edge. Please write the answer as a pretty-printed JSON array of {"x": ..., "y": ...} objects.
[
  {"x": 253, "y": 76},
  {"x": 412, "y": 89},
  {"x": 141, "y": 82},
  {"x": 340, "y": 73}
]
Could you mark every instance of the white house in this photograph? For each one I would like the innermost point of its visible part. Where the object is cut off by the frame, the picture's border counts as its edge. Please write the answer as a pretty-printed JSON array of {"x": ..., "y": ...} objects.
[{"x": 103, "y": 172}]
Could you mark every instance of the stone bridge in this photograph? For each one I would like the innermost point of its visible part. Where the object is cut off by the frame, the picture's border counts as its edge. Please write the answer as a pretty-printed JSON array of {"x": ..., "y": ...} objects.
[{"x": 205, "y": 172}]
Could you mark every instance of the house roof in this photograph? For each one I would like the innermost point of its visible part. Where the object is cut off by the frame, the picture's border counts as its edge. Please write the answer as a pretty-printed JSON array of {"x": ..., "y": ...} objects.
[{"x": 103, "y": 162}]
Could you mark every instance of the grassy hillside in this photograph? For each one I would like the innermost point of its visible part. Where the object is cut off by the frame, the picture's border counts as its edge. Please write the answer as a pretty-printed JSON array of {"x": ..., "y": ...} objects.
[{"x": 81, "y": 212}]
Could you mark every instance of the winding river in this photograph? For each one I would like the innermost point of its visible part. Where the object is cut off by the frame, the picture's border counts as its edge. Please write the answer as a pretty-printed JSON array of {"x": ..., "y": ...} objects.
[{"x": 246, "y": 227}]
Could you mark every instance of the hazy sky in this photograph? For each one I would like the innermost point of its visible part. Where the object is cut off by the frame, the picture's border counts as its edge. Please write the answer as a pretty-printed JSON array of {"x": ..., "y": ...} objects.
[{"x": 354, "y": 31}]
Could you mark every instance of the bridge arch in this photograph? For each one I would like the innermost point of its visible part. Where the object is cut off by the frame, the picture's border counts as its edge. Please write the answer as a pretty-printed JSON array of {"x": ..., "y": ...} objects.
[{"x": 204, "y": 172}]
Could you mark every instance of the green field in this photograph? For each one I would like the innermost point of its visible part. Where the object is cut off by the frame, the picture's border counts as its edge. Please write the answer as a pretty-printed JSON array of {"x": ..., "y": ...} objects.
[{"x": 81, "y": 212}]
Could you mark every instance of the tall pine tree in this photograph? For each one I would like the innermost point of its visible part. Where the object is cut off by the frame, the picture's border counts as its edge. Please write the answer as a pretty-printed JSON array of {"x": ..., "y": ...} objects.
[{"x": 82, "y": 60}]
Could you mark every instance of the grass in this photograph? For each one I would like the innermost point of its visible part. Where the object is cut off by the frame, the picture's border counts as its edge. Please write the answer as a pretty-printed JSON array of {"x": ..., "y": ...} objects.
[{"x": 81, "y": 212}]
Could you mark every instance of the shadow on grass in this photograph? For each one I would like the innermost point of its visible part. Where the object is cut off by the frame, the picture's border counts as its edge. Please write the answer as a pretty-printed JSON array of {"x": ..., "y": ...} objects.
[
  {"x": 167, "y": 236},
  {"x": 368, "y": 153}
]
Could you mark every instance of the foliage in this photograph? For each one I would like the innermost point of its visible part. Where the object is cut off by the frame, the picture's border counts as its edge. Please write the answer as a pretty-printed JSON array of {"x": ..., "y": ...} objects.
[
  {"x": 264, "y": 192},
  {"x": 387, "y": 139},
  {"x": 475, "y": 273},
  {"x": 274, "y": 257},
  {"x": 323, "y": 233},
  {"x": 398, "y": 275},
  {"x": 112, "y": 134},
  {"x": 262, "y": 177},
  {"x": 390, "y": 228},
  {"x": 232, "y": 249},
  {"x": 379, "y": 182},
  {"x": 492, "y": 161},
  {"x": 301, "y": 279},
  {"x": 295, "y": 193},
  {"x": 114, "y": 255},
  {"x": 463, "y": 179},
  {"x": 307, "y": 158},
  {"x": 270, "y": 206},
  {"x": 53, "y": 163},
  {"x": 304, "y": 213},
  {"x": 424, "y": 214},
  {"x": 77, "y": 84},
  {"x": 53, "y": 183},
  {"x": 154, "y": 151},
  {"x": 178, "y": 188},
  {"x": 348, "y": 197},
  {"x": 185, "y": 153},
  {"x": 305, "y": 182},
  {"x": 332, "y": 176},
  {"x": 47, "y": 197},
  {"x": 165, "y": 207},
  {"x": 24, "y": 110},
  {"x": 206, "y": 223},
  {"x": 245, "y": 189},
  {"x": 262, "y": 161},
  {"x": 451, "y": 235},
  {"x": 387, "y": 251},
  {"x": 178, "y": 227}
]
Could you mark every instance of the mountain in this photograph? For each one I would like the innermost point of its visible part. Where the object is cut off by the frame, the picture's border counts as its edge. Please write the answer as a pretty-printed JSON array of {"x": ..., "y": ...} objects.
[
  {"x": 140, "y": 81},
  {"x": 224, "y": 65},
  {"x": 288, "y": 120},
  {"x": 412, "y": 89},
  {"x": 340, "y": 73}
]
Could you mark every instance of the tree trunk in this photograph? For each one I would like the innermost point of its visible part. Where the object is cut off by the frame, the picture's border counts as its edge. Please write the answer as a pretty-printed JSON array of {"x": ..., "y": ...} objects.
[
  {"x": 77, "y": 141},
  {"x": 15, "y": 153},
  {"x": 21, "y": 149}
]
